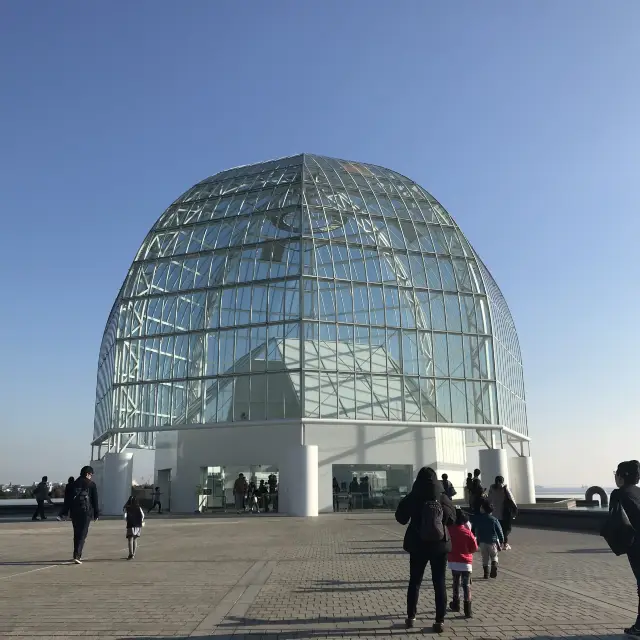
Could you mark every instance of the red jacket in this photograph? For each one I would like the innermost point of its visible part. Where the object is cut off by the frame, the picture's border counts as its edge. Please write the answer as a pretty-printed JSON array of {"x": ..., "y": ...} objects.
[{"x": 463, "y": 543}]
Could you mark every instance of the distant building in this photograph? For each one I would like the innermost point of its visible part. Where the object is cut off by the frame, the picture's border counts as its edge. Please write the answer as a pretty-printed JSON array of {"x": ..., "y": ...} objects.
[{"x": 308, "y": 301}]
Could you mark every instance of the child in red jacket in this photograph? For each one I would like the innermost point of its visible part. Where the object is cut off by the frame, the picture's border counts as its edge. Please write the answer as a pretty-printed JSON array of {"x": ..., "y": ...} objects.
[{"x": 464, "y": 545}]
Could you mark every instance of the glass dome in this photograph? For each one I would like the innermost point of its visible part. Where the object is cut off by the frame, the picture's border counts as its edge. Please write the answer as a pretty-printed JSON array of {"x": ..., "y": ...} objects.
[{"x": 307, "y": 287}]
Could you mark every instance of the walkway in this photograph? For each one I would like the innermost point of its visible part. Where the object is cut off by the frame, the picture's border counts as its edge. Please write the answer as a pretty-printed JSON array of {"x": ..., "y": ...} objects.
[{"x": 275, "y": 577}]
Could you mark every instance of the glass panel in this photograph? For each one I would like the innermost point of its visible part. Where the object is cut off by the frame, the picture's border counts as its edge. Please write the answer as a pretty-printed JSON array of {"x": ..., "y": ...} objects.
[
  {"x": 258, "y": 349},
  {"x": 181, "y": 357},
  {"x": 347, "y": 396},
  {"x": 394, "y": 357},
  {"x": 425, "y": 354},
  {"x": 310, "y": 297},
  {"x": 328, "y": 395},
  {"x": 458, "y": 402},
  {"x": 443, "y": 400},
  {"x": 428, "y": 400},
  {"x": 380, "y": 397},
  {"x": 418, "y": 274},
  {"x": 438, "y": 319},
  {"x": 378, "y": 351},
  {"x": 441, "y": 360},
  {"x": 392, "y": 306},
  {"x": 327, "y": 300},
  {"x": 364, "y": 407},
  {"x": 407, "y": 308},
  {"x": 453, "y": 312},
  {"x": 376, "y": 305},
  {"x": 448, "y": 277},
  {"x": 344, "y": 302},
  {"x": 410, "y": 352},
  {"x": 456, "y": 357},
  {"x": 226, "y": 345},
  {"x": 311, "y": 394},
  {"x": 345, "y": 348},
  {"x": 361, "y": 348},
  {"x": 433, "y": 273},
  {"x": 395, "y": 398},
  {"x": 468, "y": 312},
  {"x": 327, "y": 346}
]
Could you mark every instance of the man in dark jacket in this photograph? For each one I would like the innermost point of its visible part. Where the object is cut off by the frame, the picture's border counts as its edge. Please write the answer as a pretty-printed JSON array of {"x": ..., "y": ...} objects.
[
  {"x": 426, "y": 493},
  {"x": 627, "y": 477},
  {"x": 68, "y": 497},
  {"x": 477, "y": 492},
  {"x": 83, "y": 508},
  {"x": 41, "y": 494}
]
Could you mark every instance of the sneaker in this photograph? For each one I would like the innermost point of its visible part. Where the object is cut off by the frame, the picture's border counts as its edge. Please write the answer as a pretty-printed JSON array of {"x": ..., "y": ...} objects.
[
  {"x": 633, "y": 631},
  {"x": 130, "y": 556},
  {"x": 438, "y": 627},
  {"x": 77, "y": 560},
  {"x": 409, "y": 622},
  {"x": 507, "y": 547}
]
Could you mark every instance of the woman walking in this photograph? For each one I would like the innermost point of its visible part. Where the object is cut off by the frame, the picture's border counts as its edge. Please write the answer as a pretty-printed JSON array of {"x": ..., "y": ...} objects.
[
  {"x": 134, "y": 515},
  {"x": 428, "y": 512},
  {"x": 504, "y": 508},
  {"x": 627, "y": 494}
]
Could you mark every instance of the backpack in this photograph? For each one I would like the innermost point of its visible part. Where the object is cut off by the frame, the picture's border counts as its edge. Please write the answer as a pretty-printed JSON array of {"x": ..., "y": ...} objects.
[
  {"x": 432, "y": 527},
  {"x": 618, "y": 531},
  {"x": 80, "y": 503}
]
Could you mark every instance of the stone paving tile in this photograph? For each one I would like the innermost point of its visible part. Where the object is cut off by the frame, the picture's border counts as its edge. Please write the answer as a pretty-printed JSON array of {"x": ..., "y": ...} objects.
[{"x": 264, "y": 577}]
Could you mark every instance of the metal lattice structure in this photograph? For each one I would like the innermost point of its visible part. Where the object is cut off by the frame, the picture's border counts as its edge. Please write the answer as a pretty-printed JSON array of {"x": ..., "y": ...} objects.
[{"x": 307, "y": 288}]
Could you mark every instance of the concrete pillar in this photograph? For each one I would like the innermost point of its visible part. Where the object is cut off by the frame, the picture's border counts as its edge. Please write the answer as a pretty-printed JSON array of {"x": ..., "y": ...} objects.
[
  {"x": 522, "y": 481},
  {"x": 298, "y": 489},
  {"x": 117, "y": 476},
  {"x": 493, "y": 462}
]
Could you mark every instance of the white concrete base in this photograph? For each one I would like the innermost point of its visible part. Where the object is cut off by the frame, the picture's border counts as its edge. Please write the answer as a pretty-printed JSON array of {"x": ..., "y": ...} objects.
[
  {"x": 522, "y": 480},
  {"x": 298, "y": 492},
  {"x": 493, "y": 462},
  {"x": 117, "y": 475}
]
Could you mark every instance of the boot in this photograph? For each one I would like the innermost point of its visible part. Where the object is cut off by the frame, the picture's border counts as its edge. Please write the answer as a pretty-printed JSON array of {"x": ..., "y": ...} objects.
[
  {"x": 486, "y": 573},
  {"x": 494, "y": 569},
  {"x": 454, "y": 605},
  {"x": 467, "y": 609}
]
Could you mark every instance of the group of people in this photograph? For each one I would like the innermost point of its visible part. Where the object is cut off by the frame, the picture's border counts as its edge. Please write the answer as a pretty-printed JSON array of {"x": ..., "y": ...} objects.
[
  {"x": 438, "y": 534},
  {"x": 254, "y": 498}
]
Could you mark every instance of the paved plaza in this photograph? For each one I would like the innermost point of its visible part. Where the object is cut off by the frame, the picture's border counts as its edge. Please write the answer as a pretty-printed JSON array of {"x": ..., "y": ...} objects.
[{"x": 278, "y": 577}]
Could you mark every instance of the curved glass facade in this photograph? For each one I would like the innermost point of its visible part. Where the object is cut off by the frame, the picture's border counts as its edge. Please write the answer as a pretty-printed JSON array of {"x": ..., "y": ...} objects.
[{"x": 308, "y": 287}]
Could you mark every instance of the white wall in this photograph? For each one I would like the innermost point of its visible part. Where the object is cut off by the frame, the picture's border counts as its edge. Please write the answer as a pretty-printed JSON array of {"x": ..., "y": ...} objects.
[{"x": 442, "y": 449}]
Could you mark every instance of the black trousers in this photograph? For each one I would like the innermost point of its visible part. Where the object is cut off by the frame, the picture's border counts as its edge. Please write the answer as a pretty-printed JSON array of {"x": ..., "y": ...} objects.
[
  {"x": 39, "y": 512},
  {"x": 462, "y": 578},
  {"x": 506, "y": 528},
  {"x": 634, "y": 561},
  {"x": 80, "y": 530},
  {"x": 417, "y": 566}
]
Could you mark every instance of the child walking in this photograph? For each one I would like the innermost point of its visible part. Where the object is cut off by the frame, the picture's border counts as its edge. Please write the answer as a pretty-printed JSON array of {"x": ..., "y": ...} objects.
[
  {"x": 463, "y": 546},
  {"x": 490, "y": 537},
  {"x": 134, "y": 515}
]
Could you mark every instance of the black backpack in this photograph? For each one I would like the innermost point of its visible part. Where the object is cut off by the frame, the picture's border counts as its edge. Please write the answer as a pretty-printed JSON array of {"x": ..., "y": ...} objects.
[
  {"x": 80, "y": 503},
  {"x": 618, "y": 531},
  {"x": 432, "y": 527}
]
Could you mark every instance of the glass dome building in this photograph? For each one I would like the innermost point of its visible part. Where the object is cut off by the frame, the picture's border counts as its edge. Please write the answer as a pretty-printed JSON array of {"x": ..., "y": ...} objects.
[{"x": 313, "y": 301}]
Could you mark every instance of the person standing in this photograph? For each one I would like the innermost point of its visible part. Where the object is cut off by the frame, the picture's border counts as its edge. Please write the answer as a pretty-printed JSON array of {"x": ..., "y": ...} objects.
[
  {"x": 83, "y": 508},
  {"x": 239, "y": 492},
  {"x": 477, "y": 492},
  {"x": 627, "y": 477},
  {"x": 68, "y": 495},
  {"x": 447, "y": 485},
  {"x": 467, "y": 488},
  {"x": 41, "y": 494},
  {"x": 504, "y": 507},
  {"x": 428, "y": 511},
  {"x": 156, "y": 500}
]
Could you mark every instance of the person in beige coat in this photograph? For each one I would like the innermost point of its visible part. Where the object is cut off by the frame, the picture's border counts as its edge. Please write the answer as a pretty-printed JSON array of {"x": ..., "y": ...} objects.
[{"x": 503, "y": 507}]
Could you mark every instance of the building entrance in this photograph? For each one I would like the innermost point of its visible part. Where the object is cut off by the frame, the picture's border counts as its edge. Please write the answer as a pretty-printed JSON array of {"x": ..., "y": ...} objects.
[
  {"x": 370, "y": 486},
  {"x": 215, "y": 492}
]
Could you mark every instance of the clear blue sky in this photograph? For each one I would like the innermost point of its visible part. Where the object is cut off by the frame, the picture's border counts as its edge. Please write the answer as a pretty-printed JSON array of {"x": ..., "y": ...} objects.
[{"x": 521, "y": 118}]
